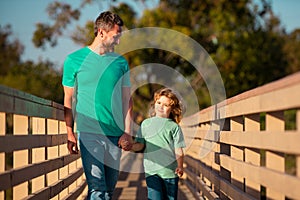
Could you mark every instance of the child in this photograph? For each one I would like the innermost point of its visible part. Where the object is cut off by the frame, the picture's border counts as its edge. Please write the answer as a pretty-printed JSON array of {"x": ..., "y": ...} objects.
[{"x": 162, "y": 138}]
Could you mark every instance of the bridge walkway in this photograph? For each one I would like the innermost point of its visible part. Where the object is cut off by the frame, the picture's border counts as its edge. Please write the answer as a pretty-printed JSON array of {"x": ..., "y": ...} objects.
[{"x": 132, "y": 184}]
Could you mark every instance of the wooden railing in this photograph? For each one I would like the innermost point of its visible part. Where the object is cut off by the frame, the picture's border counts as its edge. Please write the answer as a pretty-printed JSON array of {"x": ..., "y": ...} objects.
[
  {"x": 34, "y": 162},
  {"x": 247, "y": 147}
]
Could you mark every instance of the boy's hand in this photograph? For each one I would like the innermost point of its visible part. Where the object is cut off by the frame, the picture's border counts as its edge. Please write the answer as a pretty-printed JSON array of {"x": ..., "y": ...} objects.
[{"x": 179, "y": 171}]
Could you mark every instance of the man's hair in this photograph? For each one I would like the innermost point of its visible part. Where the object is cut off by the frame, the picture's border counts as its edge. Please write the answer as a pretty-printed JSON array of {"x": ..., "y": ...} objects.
[{"x": 106, "y": 21}]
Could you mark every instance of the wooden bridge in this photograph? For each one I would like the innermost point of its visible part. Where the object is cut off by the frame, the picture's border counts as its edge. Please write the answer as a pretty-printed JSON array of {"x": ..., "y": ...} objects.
[{"x": 246, "y": 147}]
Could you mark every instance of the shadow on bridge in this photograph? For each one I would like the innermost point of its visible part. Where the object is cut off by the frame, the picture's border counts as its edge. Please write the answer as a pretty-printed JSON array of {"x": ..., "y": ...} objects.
[{"x": 132, "y": 184}]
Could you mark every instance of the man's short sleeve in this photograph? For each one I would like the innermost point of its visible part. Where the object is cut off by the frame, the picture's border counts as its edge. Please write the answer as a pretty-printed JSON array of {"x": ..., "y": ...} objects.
[{"x": 69, "y": 73}]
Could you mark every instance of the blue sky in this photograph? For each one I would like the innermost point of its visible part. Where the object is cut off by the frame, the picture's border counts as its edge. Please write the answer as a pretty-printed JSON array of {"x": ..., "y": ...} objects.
[{"x": 24, "y": 14}]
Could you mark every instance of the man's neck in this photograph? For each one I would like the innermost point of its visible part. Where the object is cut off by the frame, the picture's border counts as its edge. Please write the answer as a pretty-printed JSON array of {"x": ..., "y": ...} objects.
[{"x": 97, "y": 48}]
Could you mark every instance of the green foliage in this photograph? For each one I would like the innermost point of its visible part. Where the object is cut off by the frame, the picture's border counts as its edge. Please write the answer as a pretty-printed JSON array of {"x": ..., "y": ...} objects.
[
  {"x": 62, "y": 14},
  {"x": 10, "y": 50},
  {"x": 127, "y": 14},
  {"x": 244, "y": 39},
  {"x": 38, "y": 79},
  {"x": 292, "y": 51},
  {"x": 84, "y": 35}
]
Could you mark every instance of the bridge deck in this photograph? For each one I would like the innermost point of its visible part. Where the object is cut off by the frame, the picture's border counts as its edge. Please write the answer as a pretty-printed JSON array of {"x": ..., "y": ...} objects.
[{"x": 132, "y": 184}]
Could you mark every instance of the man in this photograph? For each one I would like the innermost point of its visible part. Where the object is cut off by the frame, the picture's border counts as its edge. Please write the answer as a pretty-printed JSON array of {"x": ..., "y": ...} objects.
[{"x": 97, "y": 91}]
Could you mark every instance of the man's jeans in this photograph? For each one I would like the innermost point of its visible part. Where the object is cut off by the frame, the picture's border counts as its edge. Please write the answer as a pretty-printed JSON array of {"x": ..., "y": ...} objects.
[
  {"x": 100, "y": 156},
  {"x": 161, "y": 189}
]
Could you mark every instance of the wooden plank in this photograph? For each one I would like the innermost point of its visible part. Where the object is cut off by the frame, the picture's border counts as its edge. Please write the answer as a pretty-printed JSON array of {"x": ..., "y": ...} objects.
[
  {"x": 275, "y": 160},
  {"x": 286, "y": 98},
  {"x": 20, "y": 158},
  {"x": 38, "y": 154},
  {"x": 289, "y": 140},
  {"x": 277, "y": 181},
  {"x": 252, "y": 123},
  {"x": 21, "y": 103},
  {"x": 201, "y": 186},
  {"x": 16, "y": 176},
  {"x": 2, "y": 155},
  {"x": 232, "y": 191},
  {"x": 74, "y": 194},
  {"x": 10, "y": 143},
  {"x": 54, "y": 189},
  {"x": 204, "y": 116},
  {"x": 236, "y": 152},
  {"x": 298, "y": 156}
]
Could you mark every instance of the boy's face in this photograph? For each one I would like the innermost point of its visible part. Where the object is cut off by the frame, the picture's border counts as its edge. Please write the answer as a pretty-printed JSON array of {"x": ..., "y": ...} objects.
[{"x": 162, "y": 107}]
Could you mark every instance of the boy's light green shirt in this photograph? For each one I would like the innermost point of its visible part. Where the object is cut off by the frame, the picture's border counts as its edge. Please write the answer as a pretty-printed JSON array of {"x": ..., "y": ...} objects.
[{"x": 161, "y": 136}]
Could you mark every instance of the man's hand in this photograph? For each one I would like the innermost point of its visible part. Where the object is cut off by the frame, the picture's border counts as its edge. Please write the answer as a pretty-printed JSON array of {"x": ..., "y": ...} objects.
[
  {"x": 125, "y": 142},
  {"x": 72, "y": 145}
]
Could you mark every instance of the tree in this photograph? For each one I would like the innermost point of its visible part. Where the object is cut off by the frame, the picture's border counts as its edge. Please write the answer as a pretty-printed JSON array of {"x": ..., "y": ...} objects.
[
  {"x": 244, "y": 39},
  {"x": 292, "y": 51},
  {"x": 10, "y": 51},
  {"x": 62, "y": 14},
  {"x": 38, "y": 79}
]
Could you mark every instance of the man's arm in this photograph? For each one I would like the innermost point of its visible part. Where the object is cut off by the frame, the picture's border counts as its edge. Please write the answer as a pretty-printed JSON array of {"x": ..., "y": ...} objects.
[
  {"x": 72, "y": 141},
  {"x": 126, "y": 139}
]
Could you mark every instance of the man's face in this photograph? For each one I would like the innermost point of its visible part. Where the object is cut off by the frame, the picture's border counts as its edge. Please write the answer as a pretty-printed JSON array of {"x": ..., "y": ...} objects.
[{"x": 112, "y": 37}]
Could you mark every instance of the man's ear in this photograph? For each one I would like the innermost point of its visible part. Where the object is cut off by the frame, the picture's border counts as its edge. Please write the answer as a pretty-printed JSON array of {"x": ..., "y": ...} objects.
[{"x": 100, "y": 32}]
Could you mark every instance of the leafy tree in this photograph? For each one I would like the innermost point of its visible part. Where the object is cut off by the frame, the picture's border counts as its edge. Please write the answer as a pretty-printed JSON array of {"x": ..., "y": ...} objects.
[
  {"x": 39, "y": 79},
  {"x": 10, "y": 51},
  {"x": 63, "y": 15},
  {"x": 292, "y": 51},
  {"x": 244, "y": 38}
]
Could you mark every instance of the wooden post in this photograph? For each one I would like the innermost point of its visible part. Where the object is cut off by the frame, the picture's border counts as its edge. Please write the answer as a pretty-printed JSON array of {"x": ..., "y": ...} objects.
[
  {"x": 38, "y": 154},
  {"x": 237, "y": 124},
  {"x": 20, "y": 158},
  {"x": 252, "y": 123},
  {"x": 2, "y": 155},
  {"x": 275, "y": 161},
  {"x": 52, "y": 129},
  {"x": 63, "y": 171},
  {"x": 298, "y": 157}
]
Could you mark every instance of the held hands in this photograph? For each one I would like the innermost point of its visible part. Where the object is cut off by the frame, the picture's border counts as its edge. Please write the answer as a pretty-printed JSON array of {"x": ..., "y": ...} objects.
[
  {"x": 179, "y": 171},
  {"x": 126, "y": 142}
]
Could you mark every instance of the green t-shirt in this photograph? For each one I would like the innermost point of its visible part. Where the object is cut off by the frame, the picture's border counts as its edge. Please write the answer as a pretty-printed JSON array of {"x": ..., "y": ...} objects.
[
  {"x": 97, "y": 81},
  {"x": 161, "y": 136}
]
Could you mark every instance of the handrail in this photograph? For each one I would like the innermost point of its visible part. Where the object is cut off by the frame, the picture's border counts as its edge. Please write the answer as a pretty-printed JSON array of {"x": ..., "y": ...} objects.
[
  {"x": 241, "y": 148},
  {"x": 34, "y": 161},
  {"x": 247, "y": 147}
]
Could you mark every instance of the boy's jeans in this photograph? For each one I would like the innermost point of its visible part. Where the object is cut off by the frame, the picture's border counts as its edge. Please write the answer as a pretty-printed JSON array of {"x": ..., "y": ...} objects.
[
  {"x": 162, "y": 188},
  {"x": 100, "y": 156}
]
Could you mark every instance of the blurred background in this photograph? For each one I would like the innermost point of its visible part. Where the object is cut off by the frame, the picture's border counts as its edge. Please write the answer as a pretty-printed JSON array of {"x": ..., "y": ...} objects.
[{"x": 252, "y": 42}]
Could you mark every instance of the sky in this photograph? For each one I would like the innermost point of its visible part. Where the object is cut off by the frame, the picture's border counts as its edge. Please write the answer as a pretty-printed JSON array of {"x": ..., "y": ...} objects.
[{"x": 23, "y": 15}]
